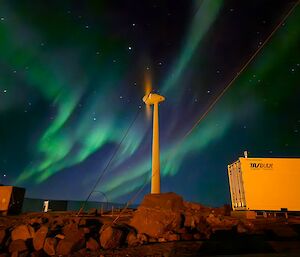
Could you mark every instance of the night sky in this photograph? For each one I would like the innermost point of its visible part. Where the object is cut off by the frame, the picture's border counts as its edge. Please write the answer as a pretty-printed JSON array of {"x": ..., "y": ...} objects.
[{"x": 73, "y": 74}]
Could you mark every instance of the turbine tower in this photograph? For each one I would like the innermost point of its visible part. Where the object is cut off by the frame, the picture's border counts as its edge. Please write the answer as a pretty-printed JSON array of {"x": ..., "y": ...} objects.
[{"x": 154, "y": 99}]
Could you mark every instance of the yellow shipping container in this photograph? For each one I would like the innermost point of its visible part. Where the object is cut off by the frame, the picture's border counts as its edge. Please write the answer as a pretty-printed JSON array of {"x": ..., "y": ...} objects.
[{"x": 265, "y": 184}]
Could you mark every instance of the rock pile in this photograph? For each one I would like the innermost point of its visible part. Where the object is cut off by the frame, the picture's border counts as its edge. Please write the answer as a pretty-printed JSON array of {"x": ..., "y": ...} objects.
[
  {"x": 166, "y": 217},
  {"x": 160, "y": 218},
  {"x": 60, "y": 236}
]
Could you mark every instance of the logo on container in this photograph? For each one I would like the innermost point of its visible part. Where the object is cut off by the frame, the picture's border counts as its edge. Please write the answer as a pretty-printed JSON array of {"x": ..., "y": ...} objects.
[{"x": 260, "y": 165}]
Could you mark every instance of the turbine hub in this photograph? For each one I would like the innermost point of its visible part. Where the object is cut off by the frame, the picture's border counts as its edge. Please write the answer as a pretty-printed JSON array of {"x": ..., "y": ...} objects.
[{"x": 153, "y": 98}]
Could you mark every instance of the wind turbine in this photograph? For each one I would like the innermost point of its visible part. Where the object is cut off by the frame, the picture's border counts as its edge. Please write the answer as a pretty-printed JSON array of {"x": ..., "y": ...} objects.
[{"x": 154, "y": 99}]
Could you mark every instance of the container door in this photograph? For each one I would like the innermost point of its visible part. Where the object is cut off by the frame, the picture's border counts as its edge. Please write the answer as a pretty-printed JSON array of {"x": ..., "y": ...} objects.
[{"x": 236, "y": 186}]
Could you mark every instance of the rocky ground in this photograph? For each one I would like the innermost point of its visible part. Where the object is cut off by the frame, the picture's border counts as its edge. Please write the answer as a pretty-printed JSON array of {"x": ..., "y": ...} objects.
[{"x": 163, "y": 225}]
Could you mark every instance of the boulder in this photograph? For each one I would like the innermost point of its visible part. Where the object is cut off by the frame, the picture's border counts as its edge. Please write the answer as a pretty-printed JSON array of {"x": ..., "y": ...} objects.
[
  {"x": 73, "y": 241},
  {"x": 111, "y": 237},
  {"x": 241, "y": 228},
  {"x": 73, "y": 236},
  {"x": 158, "y": 214},
  {"x": 66, "y": 247},
  {"x": 18, "y": 245},
  {"x": 154, "y": 222},
  {"x": 39, "y": 238},
  {"x": 92, "y": 244},
  {"x": 143, "y": 238},
  {"x": 132, "y": 239},
  {"x": 23, "y": 232},
  {"x": 164, "y": 201},
  {"x": 204, "y": 229},
  {"x": 213, "y": 220},
  {"x": 221, "y": 222},
  {"x": 50, "y": 246},
  {"x": 193, "y": 206},
  {"x": 2, "y": 236},
  {"x": 70, "y": 229},
  {"x": 191, "y": 220}
]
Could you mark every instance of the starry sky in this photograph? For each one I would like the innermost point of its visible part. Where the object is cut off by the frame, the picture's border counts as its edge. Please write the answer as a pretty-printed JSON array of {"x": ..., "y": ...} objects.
[{"x": 73, "y": 74}]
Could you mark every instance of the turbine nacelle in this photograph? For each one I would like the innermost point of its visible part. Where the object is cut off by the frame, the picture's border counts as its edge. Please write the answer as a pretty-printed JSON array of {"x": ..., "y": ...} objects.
[{"x": 153, "y": 98}]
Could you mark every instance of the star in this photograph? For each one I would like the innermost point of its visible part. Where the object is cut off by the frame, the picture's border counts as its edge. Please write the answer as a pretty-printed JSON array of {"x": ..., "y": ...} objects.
[
  {"x": 94, "y": 118},
  {"x": 98, "y": 53},
  {"x": 121, "y": 97},
  {"x": 208, "y": 91},
  {"x": 292, "y": 69},
  {"x": 133, "y": 24},
  {"x": 86, "y": 26},
  {"x": 5, "y": 91},
  {"x": 2, "y": 18},
  {"x": 4, "y": 175},
  {"x": 129, "y": 48}
]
